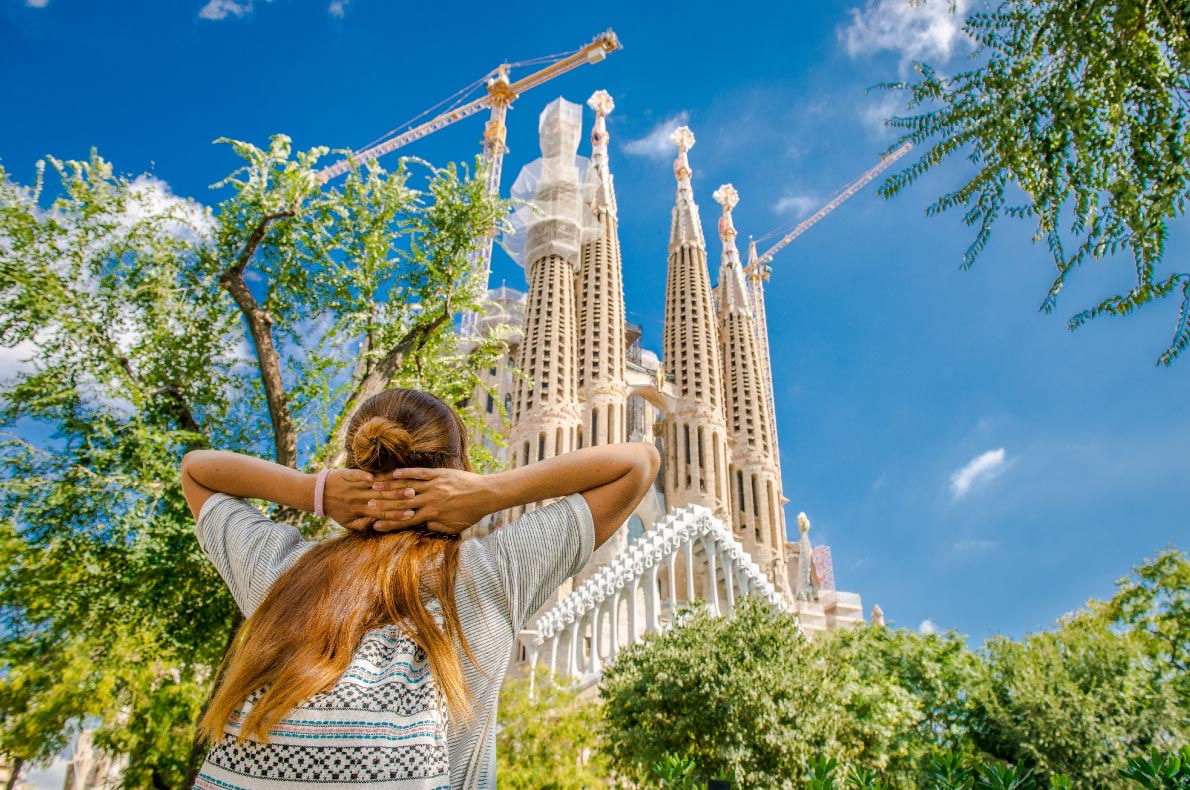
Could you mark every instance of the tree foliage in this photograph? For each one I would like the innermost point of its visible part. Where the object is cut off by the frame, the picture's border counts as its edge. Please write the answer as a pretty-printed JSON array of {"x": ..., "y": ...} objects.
[
  {"x": 548, "y": 736},
  {"x": 1076, "y": 119},
  {"x": 886, "y": 707},
  {"x": 1079, "y": 700},
  {"x": 749, "y": 695},
  {"x": 152, "y": 325}
]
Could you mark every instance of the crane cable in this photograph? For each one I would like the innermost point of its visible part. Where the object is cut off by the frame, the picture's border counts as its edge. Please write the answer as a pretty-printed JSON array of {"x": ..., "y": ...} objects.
[{"x": 461, "y": 96}]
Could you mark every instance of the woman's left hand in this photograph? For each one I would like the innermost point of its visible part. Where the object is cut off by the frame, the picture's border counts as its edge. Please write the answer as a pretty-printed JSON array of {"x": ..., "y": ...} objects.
[{"x": 350, "y": 500}]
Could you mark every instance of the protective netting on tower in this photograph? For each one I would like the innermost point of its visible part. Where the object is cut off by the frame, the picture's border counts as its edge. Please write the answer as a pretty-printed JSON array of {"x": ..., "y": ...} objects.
[{"x": 555, "y": 216}]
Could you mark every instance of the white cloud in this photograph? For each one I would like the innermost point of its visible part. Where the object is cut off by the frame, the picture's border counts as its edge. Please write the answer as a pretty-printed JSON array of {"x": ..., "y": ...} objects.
[
  {"x": 222, "y": 9},
  {"x": 338, "y": 8},
  {"x": 16, "y": 359},
  {"x": 796, "y": 205},
  {"x": 876, "y": 108},
  {"x": 973, "y": 546},
  {"x": 978, "y": 470},
  {"x": 656, "y": 144},
  {"x": 36, "y": 3},
  {"x": 925, "y": 30},
  {"x": 927, "y": 626}
]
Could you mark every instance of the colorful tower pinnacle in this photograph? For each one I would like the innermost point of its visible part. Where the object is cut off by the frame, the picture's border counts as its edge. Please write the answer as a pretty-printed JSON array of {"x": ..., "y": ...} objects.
[
  {"x": 546, "y": 410},
  {"x": 601, "y": 347},
  {"x": 755, "y": 480},
  {"x": 696, "y": 440}
]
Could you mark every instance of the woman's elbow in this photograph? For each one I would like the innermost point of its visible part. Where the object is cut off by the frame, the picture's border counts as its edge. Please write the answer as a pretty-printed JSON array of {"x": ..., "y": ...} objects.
[{"x": 651, "y": 462}]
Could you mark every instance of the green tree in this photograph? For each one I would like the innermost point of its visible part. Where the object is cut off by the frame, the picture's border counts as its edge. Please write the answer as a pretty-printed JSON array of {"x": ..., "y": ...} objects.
[
  {"x": 153, "y": 325},
  {"x": 1077, "y": 120},
  {"x": 930, "y": 673},
  {"x": 1078, "y": 700},
  {"x": 1153, "y": 604},
  {"x": 548, "y": 736},
  {"x": 748, "y": 694}
]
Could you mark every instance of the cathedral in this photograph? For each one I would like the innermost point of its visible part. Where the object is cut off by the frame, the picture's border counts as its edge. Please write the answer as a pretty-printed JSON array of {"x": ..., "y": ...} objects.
[{"x": 576, "y": 375}]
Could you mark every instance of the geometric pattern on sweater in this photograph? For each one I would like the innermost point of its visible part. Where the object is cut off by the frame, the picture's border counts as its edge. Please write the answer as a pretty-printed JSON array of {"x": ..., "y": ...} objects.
[{"x": 382, "y": 725}]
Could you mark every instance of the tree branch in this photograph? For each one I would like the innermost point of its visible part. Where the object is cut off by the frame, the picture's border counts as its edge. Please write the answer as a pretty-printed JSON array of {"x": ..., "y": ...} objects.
[
  {"x": 260, "y": 324},
  {"x": 378, "y": 377}
]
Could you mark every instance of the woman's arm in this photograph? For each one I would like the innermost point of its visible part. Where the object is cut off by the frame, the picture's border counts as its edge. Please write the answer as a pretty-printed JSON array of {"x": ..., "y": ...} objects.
[
  {"x": 612, "y": 478},
  {"x": 346, "y": 499}
]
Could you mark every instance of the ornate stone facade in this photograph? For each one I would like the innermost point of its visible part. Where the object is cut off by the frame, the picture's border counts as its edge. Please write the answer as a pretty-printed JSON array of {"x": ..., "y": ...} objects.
[{"x": 584, "y": 379}]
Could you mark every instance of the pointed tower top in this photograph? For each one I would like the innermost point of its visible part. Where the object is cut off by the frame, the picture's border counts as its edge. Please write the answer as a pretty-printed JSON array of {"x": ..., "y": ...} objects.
[
  {"x": 733, "y": 294},
  {"x": 601, "y": 102},
  {"x": 687, "y": 227},
  {"x": 683, "y": 138},
  {"x": 803, "y": 523},
  {"x": 877, "y": 616},
  {"x": 727, "y": 197}
]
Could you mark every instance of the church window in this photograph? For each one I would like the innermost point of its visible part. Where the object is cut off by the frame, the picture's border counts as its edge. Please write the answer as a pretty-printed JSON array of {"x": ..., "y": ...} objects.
[
  {"x": 558, "y": 442},
  {"x": 739, "y": 476},
  {"x": 491, "y": 404},
  {"x": 687, "y": 436},
  {"x": 526, "y": 453},
  {"x": 541, "y": 447},
  {"x": 594, "y": 428},
  {"x": 507, "y": 403},
  {"x": 755, "y": 499}
]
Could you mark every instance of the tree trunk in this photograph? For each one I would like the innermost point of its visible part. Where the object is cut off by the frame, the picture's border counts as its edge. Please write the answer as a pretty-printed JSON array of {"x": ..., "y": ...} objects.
[
  {"x": 17, "y": 764},
  {"x": 260, "y": 324},
  {"x": 378, "y": 378}
]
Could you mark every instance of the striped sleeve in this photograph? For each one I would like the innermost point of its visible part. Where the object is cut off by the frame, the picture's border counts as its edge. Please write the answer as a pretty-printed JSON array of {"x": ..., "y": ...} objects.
[
  {"x": 249, "y": 550},
  {"x": 541, "y": 550}
]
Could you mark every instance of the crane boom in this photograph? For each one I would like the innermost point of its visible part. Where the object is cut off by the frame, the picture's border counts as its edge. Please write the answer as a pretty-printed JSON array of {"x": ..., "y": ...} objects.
[
  {"x": 838, "y": 200},
  {"x": 757, "y": 271},
  {"x": 500, "y": 94}
]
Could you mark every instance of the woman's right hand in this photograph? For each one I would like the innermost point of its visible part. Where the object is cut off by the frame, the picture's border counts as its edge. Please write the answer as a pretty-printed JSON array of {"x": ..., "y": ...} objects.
[{"x": 447, "y": 501}]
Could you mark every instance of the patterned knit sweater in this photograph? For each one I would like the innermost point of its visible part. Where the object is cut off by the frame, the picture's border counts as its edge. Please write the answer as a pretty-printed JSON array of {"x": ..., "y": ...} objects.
[{"x": 503, "y": 579}]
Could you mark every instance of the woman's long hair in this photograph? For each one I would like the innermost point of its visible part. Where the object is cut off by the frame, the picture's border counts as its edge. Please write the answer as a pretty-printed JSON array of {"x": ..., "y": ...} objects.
[{"x": 306, "y": 631}]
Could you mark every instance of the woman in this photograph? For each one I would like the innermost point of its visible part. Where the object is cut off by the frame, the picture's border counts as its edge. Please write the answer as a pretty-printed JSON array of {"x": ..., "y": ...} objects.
[{"x": 374, "y": 659}]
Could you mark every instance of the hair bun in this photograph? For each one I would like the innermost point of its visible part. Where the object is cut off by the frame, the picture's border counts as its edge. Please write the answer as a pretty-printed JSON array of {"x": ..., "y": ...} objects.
[{"x": 381, "y": 445}]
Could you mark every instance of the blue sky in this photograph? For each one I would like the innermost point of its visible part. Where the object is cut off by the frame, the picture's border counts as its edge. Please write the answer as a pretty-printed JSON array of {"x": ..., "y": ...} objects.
[{"x": 971, "y": 462}]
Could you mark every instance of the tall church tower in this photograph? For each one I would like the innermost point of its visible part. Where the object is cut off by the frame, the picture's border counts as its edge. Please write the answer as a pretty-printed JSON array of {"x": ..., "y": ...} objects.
[
  {"x": 696, "y": 441},
  {"x": 600, "y": 291},
  {"x": 546, "y": 415},
  {"x": 755, "y": 479}
]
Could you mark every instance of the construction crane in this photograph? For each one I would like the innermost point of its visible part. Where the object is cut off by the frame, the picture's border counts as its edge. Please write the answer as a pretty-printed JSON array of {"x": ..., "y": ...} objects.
[
  {"x": 500, "y": 93},
  {"x": 757, "y": 271}
]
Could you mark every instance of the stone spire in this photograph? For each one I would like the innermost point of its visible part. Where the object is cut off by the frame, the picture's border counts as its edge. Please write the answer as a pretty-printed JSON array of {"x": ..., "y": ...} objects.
[
  {"x": 604, "y": 198},
  {"x": 546, "y": 411},
  {"x": 877, "y": 616},
  {"x": 733, "y": 293},
  {"x": 686, "y": 227},
  {"x": 696, "y": 439},
  {"x": 603, "y": 389},
  {"x": 757, "y": 511}
]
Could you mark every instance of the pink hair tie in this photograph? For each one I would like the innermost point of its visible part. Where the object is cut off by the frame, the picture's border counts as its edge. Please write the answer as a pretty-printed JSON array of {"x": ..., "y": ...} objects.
[{"x": 319, "y": 492}]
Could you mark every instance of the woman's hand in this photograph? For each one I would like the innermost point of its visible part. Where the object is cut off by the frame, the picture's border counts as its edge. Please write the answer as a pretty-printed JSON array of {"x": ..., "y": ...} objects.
[
  {"x": 350, "y": 500},
  {"x": 443, "y": 500}
]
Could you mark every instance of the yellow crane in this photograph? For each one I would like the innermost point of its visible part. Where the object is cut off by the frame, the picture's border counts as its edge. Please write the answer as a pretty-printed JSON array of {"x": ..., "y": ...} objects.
[
  {"x": 757, "y": 271},
  {"x": 499, "y": 94}
]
